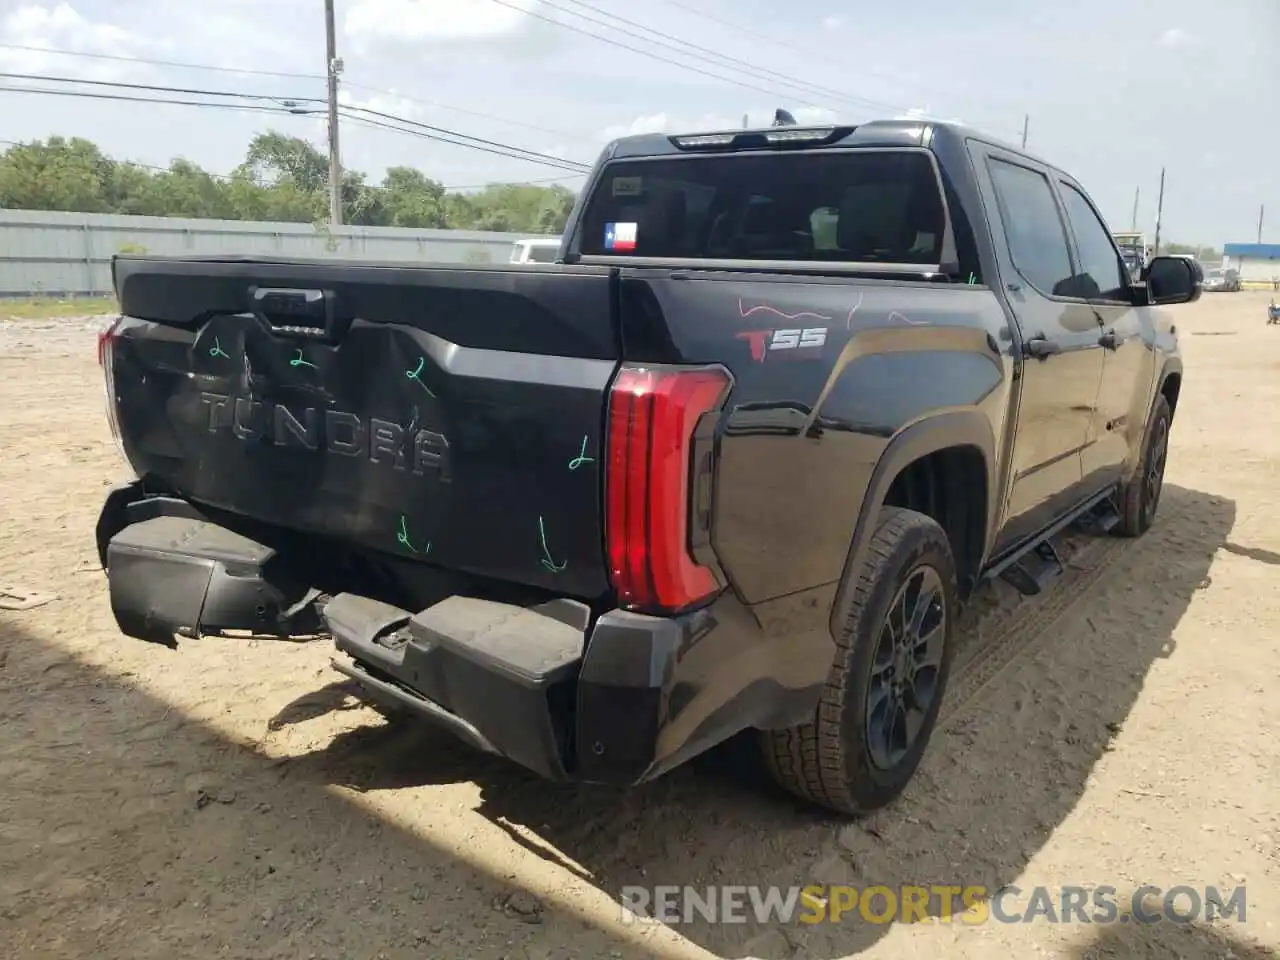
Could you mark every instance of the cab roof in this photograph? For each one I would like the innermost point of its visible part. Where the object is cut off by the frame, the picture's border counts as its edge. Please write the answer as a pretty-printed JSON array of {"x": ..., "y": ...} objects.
[{"x": 874, "y": 133}]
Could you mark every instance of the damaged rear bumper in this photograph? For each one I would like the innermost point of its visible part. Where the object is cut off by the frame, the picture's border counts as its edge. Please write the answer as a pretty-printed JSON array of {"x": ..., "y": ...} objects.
[{"x": 618, "y": 699}]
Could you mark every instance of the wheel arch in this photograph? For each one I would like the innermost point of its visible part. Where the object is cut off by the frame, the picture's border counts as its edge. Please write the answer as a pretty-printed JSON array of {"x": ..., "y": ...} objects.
[
  {"x": 1170, "y": 384},
  {"x": 938, "y": 461}
]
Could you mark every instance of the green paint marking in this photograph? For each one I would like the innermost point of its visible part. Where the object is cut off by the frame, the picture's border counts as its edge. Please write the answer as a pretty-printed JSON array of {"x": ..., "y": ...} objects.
[
  {"x": 547, "y": 560},
  {"x": 973, "y": 279},
  {"x": 298, "y": 361},
  {"x": 402, "y": 537},
  {"x": 582, "y": 457},
  {"x": 416, "y": 376},
  {"x": 217, "y": 351}
]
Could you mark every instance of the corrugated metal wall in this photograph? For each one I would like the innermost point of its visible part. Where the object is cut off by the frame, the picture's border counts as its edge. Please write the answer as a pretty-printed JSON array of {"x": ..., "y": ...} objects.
[{"x": 69, "y": 254}]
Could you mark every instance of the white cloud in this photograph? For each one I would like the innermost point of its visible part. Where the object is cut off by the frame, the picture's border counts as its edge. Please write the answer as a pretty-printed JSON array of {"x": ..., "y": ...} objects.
[
  {"x": 667, "y": 123},
  {"x": 414, "y": 21},
  {"x": 833, "y": 23},
  {"x": 387, "y": 101},
  {"x": 923, "y": 113},
  {"x": 60, "y": 27},
  {"x": 1175, "y": 37}
]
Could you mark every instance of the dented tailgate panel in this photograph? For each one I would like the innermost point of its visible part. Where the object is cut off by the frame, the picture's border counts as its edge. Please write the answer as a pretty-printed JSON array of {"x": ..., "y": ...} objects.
[{"x": 394, "y": 437}]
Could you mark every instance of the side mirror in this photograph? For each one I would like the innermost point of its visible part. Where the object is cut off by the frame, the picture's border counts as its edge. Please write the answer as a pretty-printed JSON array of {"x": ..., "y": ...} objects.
[{"x": 1173, "y": 280}]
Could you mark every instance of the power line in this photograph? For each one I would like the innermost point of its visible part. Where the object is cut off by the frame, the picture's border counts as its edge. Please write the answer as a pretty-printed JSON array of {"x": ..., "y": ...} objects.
[
  {"x": 808, "y": 50},
  {"x": 744, "y": 66},
  {"x": 427, "y": 131},
  {"x": 471, "y": 113},
  {"x": 541, "y": 159},
  {"x": 639, "y": 50},
  {"x": 453, "y": 133},
  {"x": 162, "y": 89},
  {"x": 117, "y": 58},
  {"x": 705, "y": 53},
  {"x": 187, "y": 65},
  {"x": 243, "y": 107}
]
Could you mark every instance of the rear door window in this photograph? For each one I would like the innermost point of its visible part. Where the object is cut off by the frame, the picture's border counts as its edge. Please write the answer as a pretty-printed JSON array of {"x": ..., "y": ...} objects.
[
  {"x": 861, "y": 206},
  {"x": 1034, "y": 230}
]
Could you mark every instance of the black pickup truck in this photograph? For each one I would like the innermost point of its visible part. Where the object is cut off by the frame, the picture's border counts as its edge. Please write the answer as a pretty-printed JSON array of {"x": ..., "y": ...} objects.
[{"x": 785, "y": 400}]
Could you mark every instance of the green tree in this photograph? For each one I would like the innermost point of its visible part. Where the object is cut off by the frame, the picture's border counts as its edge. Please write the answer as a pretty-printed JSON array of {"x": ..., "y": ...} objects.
[
  {"x": 283, "y": 178},
  {"x": 69, "y": 175},
  {"x": 278, "y": 157}
]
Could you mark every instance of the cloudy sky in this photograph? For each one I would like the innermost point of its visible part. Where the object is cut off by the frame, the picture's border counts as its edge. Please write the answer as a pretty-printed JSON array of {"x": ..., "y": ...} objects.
[{"x": 1114, "y": 88}]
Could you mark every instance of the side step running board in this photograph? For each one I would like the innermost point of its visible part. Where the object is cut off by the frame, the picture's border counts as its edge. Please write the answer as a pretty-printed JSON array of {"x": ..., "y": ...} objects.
[
  {"x": 1035, "y": 567},
  {"x": 1103, "y": 518},
  {"x": 1035, "y": 570}
]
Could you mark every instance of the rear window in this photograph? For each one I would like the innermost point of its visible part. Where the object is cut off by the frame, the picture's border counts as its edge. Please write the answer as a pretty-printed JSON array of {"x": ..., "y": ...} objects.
[
  {"x": 864, "y": 206},
  {"x": 543, "y": 254}
]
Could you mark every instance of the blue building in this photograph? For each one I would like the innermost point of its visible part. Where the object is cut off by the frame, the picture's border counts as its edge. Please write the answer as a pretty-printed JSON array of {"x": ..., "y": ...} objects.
[{"x": 1258, "y": 263}]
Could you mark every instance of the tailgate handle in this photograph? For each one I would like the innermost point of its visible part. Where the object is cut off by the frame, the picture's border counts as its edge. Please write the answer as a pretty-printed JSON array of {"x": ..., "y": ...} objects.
[{"x": 298, "y": 312}]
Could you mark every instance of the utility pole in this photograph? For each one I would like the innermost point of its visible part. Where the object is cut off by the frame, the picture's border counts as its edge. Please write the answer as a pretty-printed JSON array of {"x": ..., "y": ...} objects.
[
  {"x": 1159, "y": 212},
  {"x": 1137, "y": 192},
  {"x": 1262, "y": 208},
  {"x": 1026, "y": 122},
  {"x": 335, "y": 163}
]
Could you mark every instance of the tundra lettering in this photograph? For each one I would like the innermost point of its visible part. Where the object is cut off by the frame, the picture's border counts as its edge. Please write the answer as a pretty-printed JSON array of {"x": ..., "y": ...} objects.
[{"x": 382, "y": 442}]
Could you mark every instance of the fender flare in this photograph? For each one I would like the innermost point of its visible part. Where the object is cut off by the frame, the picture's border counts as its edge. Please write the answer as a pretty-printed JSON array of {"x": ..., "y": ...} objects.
[
  {"x": 1171, "y": 366},
  {"x": 957, "y": 428}
]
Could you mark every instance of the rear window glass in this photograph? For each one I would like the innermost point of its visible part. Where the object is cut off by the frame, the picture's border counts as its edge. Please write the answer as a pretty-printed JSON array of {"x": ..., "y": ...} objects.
[{"x": 863, "y": 207}]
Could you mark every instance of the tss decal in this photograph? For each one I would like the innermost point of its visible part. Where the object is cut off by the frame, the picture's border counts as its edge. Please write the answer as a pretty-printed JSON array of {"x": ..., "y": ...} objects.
[{"x": 803, "y": 341}]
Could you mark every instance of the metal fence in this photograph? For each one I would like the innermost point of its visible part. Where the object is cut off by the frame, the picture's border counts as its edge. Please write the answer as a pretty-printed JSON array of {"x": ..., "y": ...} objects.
[{"x": 69, "y": 254}]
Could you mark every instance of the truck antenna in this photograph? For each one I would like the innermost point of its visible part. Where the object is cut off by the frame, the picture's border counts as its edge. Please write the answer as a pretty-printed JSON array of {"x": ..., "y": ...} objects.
[{"x": 781, "y": 118}]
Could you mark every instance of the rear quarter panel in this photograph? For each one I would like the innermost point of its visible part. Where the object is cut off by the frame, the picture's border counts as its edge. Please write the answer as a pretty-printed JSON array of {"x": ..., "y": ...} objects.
[{"x": 805, "y": 426}]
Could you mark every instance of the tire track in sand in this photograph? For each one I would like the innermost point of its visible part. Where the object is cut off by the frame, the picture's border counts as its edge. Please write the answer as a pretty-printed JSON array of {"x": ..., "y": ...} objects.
[{"x": 1017, "y": 631}]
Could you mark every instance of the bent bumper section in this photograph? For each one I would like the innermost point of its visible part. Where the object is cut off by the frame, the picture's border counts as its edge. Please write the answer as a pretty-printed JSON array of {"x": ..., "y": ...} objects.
[{"x": 619, "y": 700}]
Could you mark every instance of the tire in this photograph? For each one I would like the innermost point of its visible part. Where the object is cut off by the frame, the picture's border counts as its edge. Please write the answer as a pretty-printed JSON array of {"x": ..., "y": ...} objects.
[
  {"x": 1139, "y": 499},
  {"x": 839, "y": 759}
]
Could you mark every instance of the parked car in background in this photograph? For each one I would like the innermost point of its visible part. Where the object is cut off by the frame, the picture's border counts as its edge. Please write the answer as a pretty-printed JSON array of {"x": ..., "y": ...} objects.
[
  {"x": 542, "y": 250},
  {"x": 1222, "y": 281}
]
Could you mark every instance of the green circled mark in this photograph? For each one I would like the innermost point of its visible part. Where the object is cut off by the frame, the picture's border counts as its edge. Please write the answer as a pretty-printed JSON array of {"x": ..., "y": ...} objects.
[
  {"x": 547, "y": 560},
  {"x": 582, "y": 457},
  {"x": 217, "y": 351},
  {"x": 298, "y": 361},
  {"x": 402, "y": 537},
  {"x": 416, "y": 375}
]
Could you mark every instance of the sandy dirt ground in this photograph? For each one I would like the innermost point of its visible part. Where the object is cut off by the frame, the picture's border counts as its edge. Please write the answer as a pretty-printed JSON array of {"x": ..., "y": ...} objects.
[{"x": 231, "y": 799}]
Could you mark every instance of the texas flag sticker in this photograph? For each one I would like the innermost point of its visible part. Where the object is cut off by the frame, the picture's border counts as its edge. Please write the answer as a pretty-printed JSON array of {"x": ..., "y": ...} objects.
[{"x": 620, "y": 237}]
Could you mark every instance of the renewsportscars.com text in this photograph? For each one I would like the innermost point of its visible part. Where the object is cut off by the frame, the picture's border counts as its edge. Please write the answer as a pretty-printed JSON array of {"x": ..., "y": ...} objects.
[{"x": 971, "y": 904}]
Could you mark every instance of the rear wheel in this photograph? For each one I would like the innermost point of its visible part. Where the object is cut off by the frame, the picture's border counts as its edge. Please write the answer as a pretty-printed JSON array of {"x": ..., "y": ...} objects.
[
  {"x": 881, "y": 700},
  {"x": 1140, "y": 497}
]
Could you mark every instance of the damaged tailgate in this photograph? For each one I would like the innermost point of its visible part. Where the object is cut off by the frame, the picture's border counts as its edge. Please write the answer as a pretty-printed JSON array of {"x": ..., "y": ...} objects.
[{"x": 450, "y": 415}]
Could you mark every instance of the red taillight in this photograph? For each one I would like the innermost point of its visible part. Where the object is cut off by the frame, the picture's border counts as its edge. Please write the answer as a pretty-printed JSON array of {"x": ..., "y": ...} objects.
[
  {"x": 106, "y": 344},
  {"x": 105, "y": 336},
  {"x": 652, "y": 415}
]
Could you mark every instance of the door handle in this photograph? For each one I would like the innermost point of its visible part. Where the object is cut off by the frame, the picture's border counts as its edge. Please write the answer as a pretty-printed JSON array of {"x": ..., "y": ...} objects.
[
  {"x": 1109, "y": 340},
  {"x": 1041, "y": 347}
]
